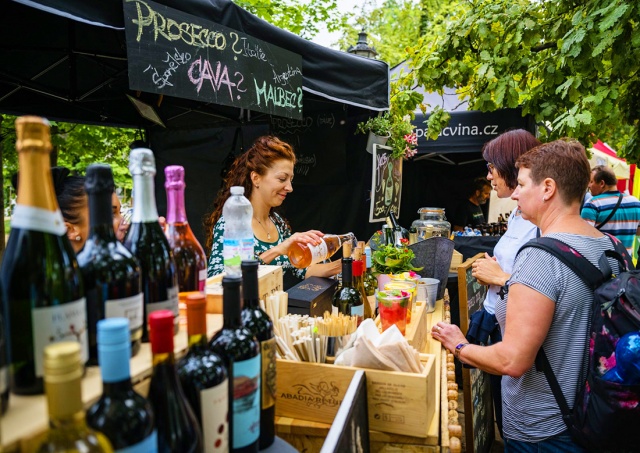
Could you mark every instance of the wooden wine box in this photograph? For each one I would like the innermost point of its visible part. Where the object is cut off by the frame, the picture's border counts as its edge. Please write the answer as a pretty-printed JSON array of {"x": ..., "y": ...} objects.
[
  {"x": 398, "y": 403},
  {"x": 269, "y": 281}
]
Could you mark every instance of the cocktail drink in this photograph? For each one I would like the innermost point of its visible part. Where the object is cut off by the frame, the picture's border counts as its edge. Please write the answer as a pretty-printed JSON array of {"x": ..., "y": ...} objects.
[
  {"x": 404, "y": 285},
  {"x": 392, "y": 305}
]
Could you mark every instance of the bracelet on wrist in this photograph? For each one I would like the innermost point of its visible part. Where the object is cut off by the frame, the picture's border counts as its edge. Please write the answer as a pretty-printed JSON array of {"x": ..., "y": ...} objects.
[{"x": 456, "y": 351}]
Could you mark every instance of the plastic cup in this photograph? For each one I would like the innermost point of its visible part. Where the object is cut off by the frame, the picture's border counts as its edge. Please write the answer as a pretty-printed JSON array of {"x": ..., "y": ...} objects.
[
  {"x": 393, "y": 307},
  {"x": 428, "y": 287},
  {"x": 404, "y": 285}
]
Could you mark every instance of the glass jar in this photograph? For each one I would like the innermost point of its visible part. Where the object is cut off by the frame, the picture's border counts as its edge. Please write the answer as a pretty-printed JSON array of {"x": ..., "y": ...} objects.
[{"x": 432, "y": 222}]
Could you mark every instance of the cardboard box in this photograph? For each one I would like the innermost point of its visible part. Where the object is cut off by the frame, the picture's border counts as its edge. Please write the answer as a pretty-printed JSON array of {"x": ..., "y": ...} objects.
[
  {"x": 456, "y": 260},
  {"x": 312, "y": 296},
  {"x": 269, "y": 281},
  {"x": 399, "y": 403}
]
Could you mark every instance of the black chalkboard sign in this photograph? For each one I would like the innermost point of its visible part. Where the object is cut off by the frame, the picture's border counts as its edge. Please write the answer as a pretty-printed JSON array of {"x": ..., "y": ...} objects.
[
  {"x": 350, "y": 428},
  {"x": 386, "y": 184},
  {"x": 173, "y": 53},
  {"x": 478, "y": 405}
]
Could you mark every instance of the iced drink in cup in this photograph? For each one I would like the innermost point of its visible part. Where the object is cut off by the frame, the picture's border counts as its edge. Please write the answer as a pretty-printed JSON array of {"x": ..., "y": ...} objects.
[
  {"x": 404, "y": 285},
  {"x": 392, "y": 305}
]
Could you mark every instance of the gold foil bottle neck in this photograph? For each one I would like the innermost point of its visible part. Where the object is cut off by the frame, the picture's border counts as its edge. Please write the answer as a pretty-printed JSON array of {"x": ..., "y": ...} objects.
[
  {"x": 62, "y": 361},
  {"x": 142, "y": 162},
  {"x": 33, "y": 134}
]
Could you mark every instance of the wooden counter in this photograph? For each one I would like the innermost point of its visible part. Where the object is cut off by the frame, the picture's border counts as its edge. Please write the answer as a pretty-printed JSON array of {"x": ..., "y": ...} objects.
[{"x": 27, "y": 416}]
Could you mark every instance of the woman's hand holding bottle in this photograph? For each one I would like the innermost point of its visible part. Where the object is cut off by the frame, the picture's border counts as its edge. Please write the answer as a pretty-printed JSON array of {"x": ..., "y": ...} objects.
[{"x": 311, "y": 237}]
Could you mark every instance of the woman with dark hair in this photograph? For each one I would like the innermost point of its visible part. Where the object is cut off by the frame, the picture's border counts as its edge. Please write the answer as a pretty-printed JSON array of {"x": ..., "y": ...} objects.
[
  {"x": 266, "y": 172},
  {"x": 547, "y": 305},
  {"x": 74, "y": 205},
  {"x": 501, "y": 154}
]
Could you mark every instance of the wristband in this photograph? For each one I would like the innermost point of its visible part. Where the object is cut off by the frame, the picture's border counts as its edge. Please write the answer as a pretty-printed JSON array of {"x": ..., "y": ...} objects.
[{"x": 458, "y": 348}]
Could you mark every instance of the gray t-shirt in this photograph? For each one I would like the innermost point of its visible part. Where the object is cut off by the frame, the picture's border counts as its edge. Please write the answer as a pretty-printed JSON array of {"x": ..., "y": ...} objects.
[{"x": 530, "y": 411}]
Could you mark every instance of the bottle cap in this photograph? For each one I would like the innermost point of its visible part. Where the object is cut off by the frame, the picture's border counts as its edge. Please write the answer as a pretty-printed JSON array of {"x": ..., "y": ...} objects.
[
  {"x": 196, "y": 314},
  {"x": 33, "y": 132},
  {"x": 113, "y": 331},
  {"x": 249, "y": 266},
  {"x": 161, "y": 331},
  {"x": 62, "y": 361},
  {"x": 174, "y": 177},
  {"x": 99, "y": 178},
  {"x": 237, "y": 190},
  {"x": 142, "y": 162},
  {"x": 357, "y": 268}
]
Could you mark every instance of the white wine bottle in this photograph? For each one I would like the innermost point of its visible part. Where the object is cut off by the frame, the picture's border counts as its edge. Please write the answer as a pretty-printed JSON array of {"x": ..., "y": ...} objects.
[
  {"x": 304, "y": 255},
  {"x": 42, "y": 291}
]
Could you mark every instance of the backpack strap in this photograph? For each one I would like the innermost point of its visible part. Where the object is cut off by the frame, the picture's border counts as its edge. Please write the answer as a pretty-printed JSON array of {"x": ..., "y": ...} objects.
[
  {"x": 542, "y": 364},
  {"x": 613, "y": 211}
]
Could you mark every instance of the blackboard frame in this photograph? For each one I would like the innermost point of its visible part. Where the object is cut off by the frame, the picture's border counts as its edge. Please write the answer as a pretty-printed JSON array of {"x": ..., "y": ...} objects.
[
  {"x": 478, "y": 403},
  {"x": 384, "y": 198}
]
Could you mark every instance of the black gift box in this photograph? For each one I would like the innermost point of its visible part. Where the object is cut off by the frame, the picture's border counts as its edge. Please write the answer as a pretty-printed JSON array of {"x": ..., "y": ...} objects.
[{"x": 312, "y": 296}]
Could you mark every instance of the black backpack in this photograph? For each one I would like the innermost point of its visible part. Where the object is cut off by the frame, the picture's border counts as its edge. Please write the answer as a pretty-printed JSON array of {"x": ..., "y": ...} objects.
[{"x": 606, "y": 414}]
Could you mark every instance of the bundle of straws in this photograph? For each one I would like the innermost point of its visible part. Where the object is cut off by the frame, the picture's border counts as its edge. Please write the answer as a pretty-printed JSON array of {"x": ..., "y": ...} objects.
[{"x": 303, "y": 338}]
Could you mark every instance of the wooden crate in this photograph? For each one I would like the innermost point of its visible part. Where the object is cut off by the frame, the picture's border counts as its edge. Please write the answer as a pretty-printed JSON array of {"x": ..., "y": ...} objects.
[
  {"x": 400, "y": 403},
  {"x": 269, "y": 281},
  {"x": 456, "y": 260}
]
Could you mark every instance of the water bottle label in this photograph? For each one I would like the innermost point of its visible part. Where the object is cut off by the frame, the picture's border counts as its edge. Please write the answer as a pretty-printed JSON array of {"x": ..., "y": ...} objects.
[
  {"x": 64, "y": 322},
  {"x": 268, "y": 353},
  {"x": 37, "y": 219},
  {"x": 202, "y": 279},
  {"x": 246, "y": 402},
  {"x": 128, "y": 307},
  {"x": 318, "y": 252},
  {"x": 246, "y": 249},
  {"x": 214, "y": 402},
  {"x": 357, "y": 310},
  {"x": 148, "y": 444},
  {"x": 231, "y": 253}
]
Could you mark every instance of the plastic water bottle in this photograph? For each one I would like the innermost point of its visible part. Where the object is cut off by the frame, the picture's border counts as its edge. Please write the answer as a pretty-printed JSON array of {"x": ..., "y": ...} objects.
[{"x": 238, "y": 234}]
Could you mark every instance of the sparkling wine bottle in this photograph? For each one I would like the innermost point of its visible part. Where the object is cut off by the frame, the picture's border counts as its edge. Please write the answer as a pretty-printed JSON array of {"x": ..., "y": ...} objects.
[
  {"x": 63, "y": 368},
  {"x": 240, "y": 350},
  {"x": 111, "y": 274},
  {"x": 304, "y": 255},
  {"x": 177, "y": 426},
  {"x": 42, "y": 292},
  {"x": 188, "y": 254},
  {"x": 347, "y": 299},
  {"x": 146, "y": 240},
  {"x": 260, "y": 325},
  {"x": 121, "y": 414},
  {"x": 204, "y": 379}
]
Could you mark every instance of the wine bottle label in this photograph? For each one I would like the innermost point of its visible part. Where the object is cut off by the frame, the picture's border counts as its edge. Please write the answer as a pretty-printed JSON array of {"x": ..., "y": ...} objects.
[
  {"x": 246, "y": 402},
  {"x": 214, "y": 402},
  {"x": 170, "y": 304},
  {"x": 268, "y": 353},
  {"x": 64, "y": 322},
  {"x": 37, "y": 219},
  {"x": 149, "y": 443},
  {"x": 318, "y": 252},
  {"x": 4, "y": 376},
  {"x": 357, "y": 310},
  {"x": 202, "y": 279},
  {"x": 128, "y": 307}
]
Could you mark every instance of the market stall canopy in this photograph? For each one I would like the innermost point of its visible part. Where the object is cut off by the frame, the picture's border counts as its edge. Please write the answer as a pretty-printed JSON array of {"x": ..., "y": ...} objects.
[
  {"x": 603, "y": 154},
  {"x": 67, "y": 60}
]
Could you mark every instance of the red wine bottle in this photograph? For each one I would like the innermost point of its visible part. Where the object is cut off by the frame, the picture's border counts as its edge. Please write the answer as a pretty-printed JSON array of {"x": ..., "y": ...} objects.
[
  {"x": 121, "y": 414},
  {"x": 111, "y": 274},
  {"x": 146, "y": 240},
  {"x": 204, "y": 379},
  {"x": 177, "y": 426},
  {"x": 240, "y": 350},
  {"x": 42, "y": 293},
  {"x": 191, "y": 263},
  {"x": 261, "y": 326}
]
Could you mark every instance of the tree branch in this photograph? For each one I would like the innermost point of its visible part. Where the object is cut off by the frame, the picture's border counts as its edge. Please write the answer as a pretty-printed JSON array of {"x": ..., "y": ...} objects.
[{"x": 546, "y": 45}]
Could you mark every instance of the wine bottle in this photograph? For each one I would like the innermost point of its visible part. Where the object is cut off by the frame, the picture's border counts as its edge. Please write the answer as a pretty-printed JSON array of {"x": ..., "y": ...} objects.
[
  {"x": 112, "y": 279},
  {"x": 258, "y": 322},
  {"x": 177, "y": 426},
  {"x": 42, "y": 292},
  {"x": 146, "y": 240},
  {"x": 203, "y": 376},
  {"x": 121, "y": 414},
  {"x": 370, "y": 280},
  {"x": 241, "y": 353},
  {"x": 347, "y": 299},
  {"x": 191, "y": 264},
  {"x": 358, "y": 284},
  {"x": 63, "y": 368},
  {"x": 388, "y": 187},
  {"x": 304, "y": 255}
]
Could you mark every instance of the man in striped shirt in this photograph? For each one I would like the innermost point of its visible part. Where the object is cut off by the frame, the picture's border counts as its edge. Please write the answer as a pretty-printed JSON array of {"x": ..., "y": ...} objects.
[{"x": 625, "y": 221}]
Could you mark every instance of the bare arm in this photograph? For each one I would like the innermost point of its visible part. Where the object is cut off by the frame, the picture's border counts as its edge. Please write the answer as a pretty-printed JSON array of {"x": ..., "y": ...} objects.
[
  {"x": 307, "y": 237},
  {"x": 529, "y": 316},
  {"x": 324, "y": 269}
]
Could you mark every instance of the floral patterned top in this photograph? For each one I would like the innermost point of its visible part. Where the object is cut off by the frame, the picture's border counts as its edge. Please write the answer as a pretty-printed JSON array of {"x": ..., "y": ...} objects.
[{"x": 216, "y": 264}]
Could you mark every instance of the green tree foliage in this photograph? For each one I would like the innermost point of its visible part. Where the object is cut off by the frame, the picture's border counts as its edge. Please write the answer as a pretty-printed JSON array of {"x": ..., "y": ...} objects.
[
  {"x": 299, "y": 17},
  {"x": 573, "y": 65},
  {"x": 76, "y": 146}
]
